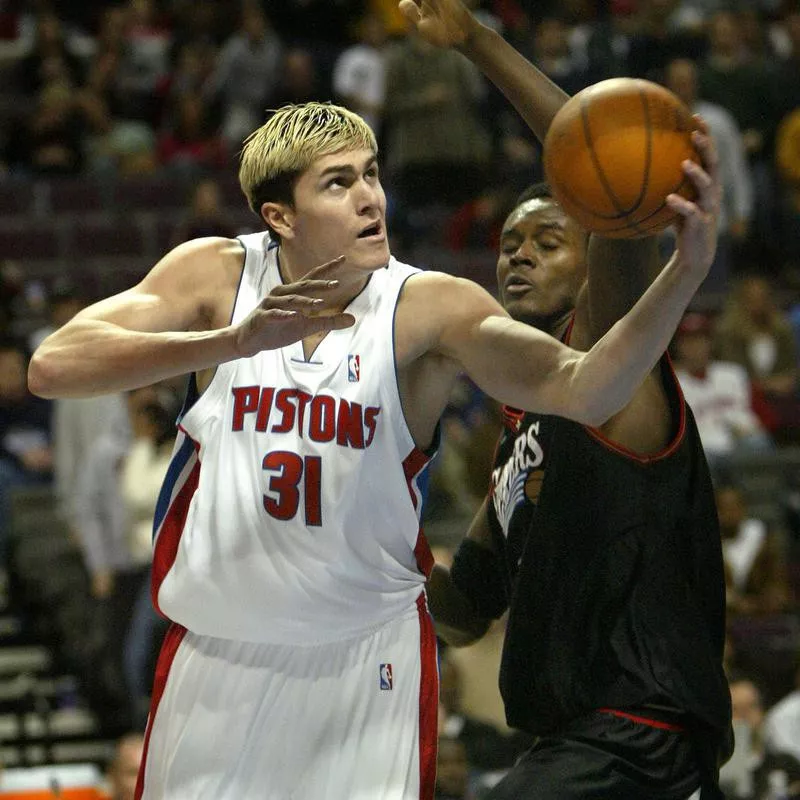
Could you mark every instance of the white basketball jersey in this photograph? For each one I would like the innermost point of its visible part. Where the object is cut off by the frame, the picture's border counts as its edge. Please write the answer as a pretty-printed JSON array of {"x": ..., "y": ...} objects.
[{"x": 291, "y": 510}]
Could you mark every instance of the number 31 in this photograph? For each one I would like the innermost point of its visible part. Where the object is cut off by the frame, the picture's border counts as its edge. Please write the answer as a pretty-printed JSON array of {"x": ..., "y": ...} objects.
[{"x": 288, "y": 469}]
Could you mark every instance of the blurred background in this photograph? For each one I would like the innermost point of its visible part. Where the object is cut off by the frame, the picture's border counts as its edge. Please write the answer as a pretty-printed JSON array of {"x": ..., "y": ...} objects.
[{"x": 120, "y": 125}]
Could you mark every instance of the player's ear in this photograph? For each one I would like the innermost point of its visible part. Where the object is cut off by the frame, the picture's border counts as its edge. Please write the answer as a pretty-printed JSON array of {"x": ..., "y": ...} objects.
[{"x": 280, "y": 218}]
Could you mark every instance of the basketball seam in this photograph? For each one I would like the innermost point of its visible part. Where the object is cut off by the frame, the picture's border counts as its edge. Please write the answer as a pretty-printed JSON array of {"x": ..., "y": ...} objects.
[
  {"x": 612, "y": 217},
  {"x": 652, "y": 213},
  {"x": 621, "y": 212}
]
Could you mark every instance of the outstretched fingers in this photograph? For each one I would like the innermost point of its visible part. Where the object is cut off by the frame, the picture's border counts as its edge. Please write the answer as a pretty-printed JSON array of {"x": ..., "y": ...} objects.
[{"x": 410, "y": 10}]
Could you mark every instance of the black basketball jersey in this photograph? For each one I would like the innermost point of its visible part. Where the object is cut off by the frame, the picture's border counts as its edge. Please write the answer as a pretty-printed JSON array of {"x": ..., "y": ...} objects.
[{"x": 614, "y": 572}]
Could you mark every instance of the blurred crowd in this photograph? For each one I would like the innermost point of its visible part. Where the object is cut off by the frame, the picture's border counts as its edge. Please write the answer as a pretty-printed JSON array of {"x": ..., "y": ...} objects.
[{"x": 109, "y": 91}]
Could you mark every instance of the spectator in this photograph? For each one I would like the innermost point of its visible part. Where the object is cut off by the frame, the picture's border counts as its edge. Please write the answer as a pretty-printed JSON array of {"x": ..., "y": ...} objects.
[
  {"x": 437, "y": 147},
  {"x": 247, "y": 74},
  {"x": 50, "y": 140},
  {"x": 206, "y": 216},
  {"x": 63, "y": 303},
  {"x": 144, "y": 63},
  {"x": 124, "y": 768},
  {"x": 52, "y": 59},
  {"x": 718, "y": 393},
  {"x": 551, "y": 54},
  {"x": 753, "y": 332},
  {"x": 359, "y": 74},
  {"x": 116, "y": 140},
  {"x": 755, "y": 568},
  {"x": 745, "y": 89},
  {"x": 76, "y": 423},
  {"x": 737, "y": 187},
  {"x": 299, "y": 81},
  {"x": 782, "y": 723},
  {"x": 25, "y": 455},
  {"x": 657, "y": 39},
  {"x": 116, "y": 503},
  {"x": 787, "y": 162},
  {"x": 189, "y": 144},
  {"x": 762, "y": 763}
]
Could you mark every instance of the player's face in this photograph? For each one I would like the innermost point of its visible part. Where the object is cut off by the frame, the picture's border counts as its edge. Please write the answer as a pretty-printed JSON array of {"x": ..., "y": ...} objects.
[
  {"x": 542, "y": 263},
  {"x": 340, "y": 209}
]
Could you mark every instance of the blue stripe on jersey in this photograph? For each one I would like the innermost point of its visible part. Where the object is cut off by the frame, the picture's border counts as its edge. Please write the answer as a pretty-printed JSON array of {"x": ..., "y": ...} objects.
[
  {"x": 176, "y": 466},
  {"x": 423, "y": 482},
  {"x": 191, "y": 397}
]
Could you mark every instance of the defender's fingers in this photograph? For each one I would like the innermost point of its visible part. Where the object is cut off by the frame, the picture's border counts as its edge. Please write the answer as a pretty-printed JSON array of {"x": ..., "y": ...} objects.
[
  {"x": 697, "y": 175},
  {"x": 335, "y": 322},
  {"x": 704, "y": 144},
  {"x": 700, "y": 124},
  {"x": 295, "y": 302},
  {"x": 304, "y": 287},
  {"x": 325, "y": 271},
  {"x": 410, "y": 10},
  {"x": 680, "y": 205}
]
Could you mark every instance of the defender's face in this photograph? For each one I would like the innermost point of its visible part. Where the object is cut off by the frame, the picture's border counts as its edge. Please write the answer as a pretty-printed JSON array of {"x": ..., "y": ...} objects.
[
  {"x": 542, "y": 263},
  {"x": 340, "y": 209}
]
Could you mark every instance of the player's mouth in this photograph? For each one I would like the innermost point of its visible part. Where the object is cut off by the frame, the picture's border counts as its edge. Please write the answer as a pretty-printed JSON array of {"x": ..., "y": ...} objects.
[
  {"x": 515, "y": 285},
  {"x": 372, "y": 232}
]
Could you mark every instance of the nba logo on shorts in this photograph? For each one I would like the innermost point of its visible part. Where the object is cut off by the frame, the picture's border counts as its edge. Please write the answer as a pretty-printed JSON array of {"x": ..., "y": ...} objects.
[
  {"x": 353, "y": 368},
  {"x": 386, "y": 676}
]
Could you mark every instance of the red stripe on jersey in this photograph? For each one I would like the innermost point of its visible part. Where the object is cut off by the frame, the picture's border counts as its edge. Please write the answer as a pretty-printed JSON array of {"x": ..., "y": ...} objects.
[
  {"x": 428, "y": 702},
  {"x": 423, "y": 555},
  {"x": 412, "y": 465},
  {"x": 169, "y": 536},
  {"x": 169, "y": 649}
]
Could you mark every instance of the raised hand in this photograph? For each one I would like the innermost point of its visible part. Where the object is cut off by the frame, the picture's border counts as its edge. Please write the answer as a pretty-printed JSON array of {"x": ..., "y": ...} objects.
[
  {"x": 444, "y": 23},
  {"x": 293, "y": 311},
  {"x": 697, "y": 221}
]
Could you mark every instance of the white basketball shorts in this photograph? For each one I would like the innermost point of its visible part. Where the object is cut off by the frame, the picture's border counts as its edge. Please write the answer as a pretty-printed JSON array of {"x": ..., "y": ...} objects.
[{"x": 350, "y": 720}]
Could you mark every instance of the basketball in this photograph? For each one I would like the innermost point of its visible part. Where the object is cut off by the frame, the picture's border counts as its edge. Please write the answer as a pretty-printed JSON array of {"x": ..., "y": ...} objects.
[{"x": 613, "y": 153}]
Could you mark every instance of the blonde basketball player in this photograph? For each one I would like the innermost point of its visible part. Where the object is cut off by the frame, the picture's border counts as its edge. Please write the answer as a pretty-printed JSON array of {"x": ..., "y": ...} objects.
[{"x": 288, "y": 550}]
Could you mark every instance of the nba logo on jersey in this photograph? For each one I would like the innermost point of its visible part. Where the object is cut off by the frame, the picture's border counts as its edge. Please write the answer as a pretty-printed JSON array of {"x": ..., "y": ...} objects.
[
  {"x": 386, "y": 676},
  {"x": 353, "y": 368}
]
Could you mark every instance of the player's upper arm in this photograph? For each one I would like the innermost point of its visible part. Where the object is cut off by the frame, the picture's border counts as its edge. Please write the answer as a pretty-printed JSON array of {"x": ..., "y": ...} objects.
[
  {"x": 512, "y": 362},
  {"x": 178, "y": 294}
]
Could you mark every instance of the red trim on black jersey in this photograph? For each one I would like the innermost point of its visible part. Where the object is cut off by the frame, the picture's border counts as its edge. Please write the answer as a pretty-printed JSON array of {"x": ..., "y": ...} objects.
[{"x": 661, "y": 454}]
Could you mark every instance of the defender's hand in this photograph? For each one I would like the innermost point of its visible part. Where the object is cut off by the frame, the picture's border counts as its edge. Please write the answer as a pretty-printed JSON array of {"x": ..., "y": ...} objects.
[
  {"x": 444, "y": 23},
  {"x": 291, "y": 312},
  {"x": 698, "y": 221}
]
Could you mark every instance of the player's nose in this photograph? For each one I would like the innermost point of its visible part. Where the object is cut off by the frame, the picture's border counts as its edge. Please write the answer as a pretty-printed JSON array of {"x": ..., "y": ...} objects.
[{"x": 367, "y": 196}]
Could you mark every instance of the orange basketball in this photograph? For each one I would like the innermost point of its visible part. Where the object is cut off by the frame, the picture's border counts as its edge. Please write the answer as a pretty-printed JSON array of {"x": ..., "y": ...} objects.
[{"x": 613, "y": 153}]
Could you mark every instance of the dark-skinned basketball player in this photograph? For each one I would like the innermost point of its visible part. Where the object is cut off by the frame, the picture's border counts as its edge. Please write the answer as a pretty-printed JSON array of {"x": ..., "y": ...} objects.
[{"x": 602, "y": 543}]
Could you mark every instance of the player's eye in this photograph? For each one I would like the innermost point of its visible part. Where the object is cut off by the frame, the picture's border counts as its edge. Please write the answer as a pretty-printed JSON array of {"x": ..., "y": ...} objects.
[{"x": 335, "y": 182}]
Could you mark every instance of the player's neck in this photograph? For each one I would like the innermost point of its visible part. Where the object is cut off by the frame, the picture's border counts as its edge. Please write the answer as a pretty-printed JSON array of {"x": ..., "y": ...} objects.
[{"x": 351, "y": 283}]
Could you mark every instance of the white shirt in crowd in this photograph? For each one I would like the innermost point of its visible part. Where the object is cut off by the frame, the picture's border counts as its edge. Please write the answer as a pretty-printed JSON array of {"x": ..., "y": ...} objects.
[{"x": 720, "y": 401}]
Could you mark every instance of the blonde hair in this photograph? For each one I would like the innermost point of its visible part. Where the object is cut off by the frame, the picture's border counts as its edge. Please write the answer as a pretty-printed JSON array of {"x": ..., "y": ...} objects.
[{"x": 278, "y": 152}]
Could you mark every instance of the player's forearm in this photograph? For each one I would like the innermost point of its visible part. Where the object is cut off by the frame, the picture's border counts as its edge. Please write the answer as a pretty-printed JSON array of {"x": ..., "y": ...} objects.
[
  {"x": 91, "y": 357},
  {"x": 454, "y": 617},
  {"x": 530, "y": 91},
  {"x": 605, "y": 379}
]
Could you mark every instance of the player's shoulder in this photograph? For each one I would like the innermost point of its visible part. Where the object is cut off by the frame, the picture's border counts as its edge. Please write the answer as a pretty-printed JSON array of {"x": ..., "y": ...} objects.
[
  {"x": 443, "y": 287},
  {"x": 208, "y": 261}
]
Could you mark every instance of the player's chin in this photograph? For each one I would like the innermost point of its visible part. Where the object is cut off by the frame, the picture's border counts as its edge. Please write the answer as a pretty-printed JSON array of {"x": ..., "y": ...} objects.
[{"x": 372, "y": 257}]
